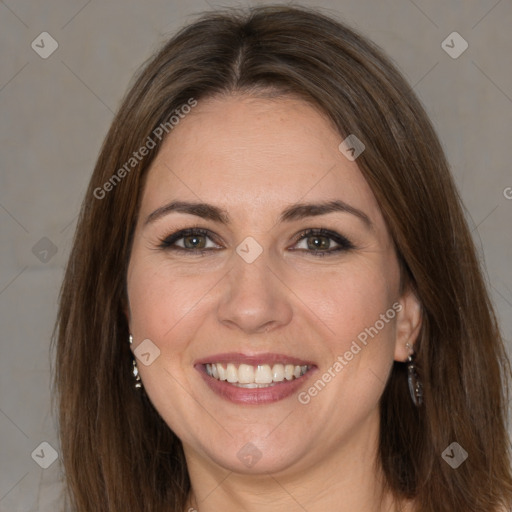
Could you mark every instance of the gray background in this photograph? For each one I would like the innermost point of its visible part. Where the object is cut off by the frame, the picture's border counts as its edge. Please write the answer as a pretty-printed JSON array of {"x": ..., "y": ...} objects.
[{"x": 55, "y": 112}]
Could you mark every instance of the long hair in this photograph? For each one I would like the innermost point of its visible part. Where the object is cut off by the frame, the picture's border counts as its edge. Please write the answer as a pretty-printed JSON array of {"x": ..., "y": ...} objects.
[{"x": 118, "y": 454}]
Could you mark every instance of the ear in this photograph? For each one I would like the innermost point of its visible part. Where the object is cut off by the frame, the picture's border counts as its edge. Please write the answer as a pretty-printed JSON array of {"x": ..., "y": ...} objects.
[{"x": 408, "y": 324}]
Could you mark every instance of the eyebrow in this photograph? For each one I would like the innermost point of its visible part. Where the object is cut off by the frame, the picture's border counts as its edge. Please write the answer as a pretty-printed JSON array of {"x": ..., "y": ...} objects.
[{"x": 292, "y": 213}]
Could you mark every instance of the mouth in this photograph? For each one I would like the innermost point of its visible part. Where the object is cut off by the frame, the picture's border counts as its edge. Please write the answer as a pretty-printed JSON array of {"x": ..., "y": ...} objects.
[
  {"x": 253, "y": 377},
  {"x": 258, "y": 379}
]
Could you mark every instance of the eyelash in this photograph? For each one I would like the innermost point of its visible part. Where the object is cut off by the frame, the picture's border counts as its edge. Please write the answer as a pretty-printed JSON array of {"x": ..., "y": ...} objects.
[{"x": 344, "y": 244}]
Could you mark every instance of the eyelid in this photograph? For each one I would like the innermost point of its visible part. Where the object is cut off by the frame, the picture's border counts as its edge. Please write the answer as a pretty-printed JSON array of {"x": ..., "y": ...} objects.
[
  {"x": 343, "y": 242},
  {"x": 169, "y": 241}
]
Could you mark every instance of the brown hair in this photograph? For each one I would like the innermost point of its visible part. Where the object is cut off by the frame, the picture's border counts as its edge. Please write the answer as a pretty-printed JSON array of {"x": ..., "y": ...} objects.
[{"x": 118, "y": 453}]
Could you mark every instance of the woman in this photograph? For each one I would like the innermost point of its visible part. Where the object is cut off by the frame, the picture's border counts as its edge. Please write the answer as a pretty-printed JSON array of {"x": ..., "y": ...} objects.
[{"x": 273, "y": 300}]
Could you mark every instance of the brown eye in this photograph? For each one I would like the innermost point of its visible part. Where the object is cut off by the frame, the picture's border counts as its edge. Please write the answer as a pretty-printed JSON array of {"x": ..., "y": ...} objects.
[
  {"x": 316, "y": 242},
  {"x": 189, "y": 240},
  {"x": 320, "y": 242},
  {"x": 194, "y": 242}
]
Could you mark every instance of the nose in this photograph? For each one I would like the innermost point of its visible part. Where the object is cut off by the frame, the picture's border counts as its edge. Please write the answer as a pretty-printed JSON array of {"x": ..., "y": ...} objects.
[{"x": 254, "y": 298}]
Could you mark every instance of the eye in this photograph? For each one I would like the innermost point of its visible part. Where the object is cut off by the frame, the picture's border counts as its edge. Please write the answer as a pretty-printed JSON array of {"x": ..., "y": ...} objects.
[
  {"x": 189, "y": 240},
  {"x": 319, "y": 242}
]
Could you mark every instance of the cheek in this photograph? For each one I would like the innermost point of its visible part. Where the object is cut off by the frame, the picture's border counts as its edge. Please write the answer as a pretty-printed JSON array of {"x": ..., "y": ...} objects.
[
  {"x": 160, "y": 299},
  {"x": 352, "y": 299},
  {"x": 355, "y": 305}
]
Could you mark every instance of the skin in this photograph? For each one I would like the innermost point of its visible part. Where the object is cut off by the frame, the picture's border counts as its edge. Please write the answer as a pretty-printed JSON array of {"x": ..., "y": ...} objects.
[{"x": 253, "y": 157}]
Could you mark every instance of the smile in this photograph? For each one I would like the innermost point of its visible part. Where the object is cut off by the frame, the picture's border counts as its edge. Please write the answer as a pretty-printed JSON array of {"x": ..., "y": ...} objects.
[
  {"x": 254, "y": 379},
  {"x": 255, "y": 376}
]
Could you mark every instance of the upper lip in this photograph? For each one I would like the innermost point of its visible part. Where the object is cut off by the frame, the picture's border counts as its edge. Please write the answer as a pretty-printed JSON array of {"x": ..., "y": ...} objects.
[{"x": 253, "y": 359}]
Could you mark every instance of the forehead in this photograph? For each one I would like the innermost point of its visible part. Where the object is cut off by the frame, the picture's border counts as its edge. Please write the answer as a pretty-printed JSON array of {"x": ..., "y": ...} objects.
[{"x": 254, "y": 155}]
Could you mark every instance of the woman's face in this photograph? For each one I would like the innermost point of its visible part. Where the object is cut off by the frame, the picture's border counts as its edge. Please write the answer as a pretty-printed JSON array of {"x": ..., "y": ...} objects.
[{"x": 253, "y": 298}]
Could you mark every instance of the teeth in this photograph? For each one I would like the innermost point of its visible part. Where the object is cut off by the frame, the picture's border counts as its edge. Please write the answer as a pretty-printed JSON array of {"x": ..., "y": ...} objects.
[
  {"x": 248, "y": 376},
  {"x": 220, "y": 371},
  {"x": 231, "y": 373},
  {"x": 263, "y": 374},
  {"x": 278, "y": 373},
  {"x": 245, "y": 374}
]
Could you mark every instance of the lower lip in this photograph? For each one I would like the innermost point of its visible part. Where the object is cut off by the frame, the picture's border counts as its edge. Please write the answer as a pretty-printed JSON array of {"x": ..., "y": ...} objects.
[{"x": 255, "y": 396}]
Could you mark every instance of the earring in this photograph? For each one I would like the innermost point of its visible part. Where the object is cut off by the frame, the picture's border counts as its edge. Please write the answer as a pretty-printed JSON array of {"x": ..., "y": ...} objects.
[
  {"x": 135, "y": 370},
  {"x": 415, "y": 385}
]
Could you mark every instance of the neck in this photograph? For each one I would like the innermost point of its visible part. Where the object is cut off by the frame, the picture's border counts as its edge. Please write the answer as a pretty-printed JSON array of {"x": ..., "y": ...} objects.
[{"x": 346, "y": 479}]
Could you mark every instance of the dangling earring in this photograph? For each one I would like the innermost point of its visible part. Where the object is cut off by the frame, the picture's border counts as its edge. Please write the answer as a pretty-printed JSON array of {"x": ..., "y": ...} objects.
[
  {"x": 135, "y": 370},
  {"x": 415, "y": 385}
]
